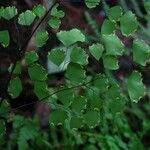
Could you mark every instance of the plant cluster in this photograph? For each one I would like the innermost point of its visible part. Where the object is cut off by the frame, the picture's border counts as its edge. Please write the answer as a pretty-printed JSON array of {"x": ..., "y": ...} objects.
[{"x": 85, "y": 100}]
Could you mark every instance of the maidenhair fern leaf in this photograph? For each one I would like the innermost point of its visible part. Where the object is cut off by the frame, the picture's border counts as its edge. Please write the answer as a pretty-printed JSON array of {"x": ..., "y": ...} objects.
[
  {"x": 41, "y": 38},
  {"x": 57, "y": 56},
  {"x": 113, "y": 45},
  {"x": 75, "y": 73},
  {"x": 39, "y": 10},
  {"x": 141, "y": 52},
  {"x": 79, "y": 56},
  {"x": 128, "y": 23},
  {"x": 26, "y": 18},
  {"x": 92, "y": 3},
  {"x": 92, "y": 118},
  {"x": 70, "y": 37},
  {"x": 58, "y": 117},
  {"x": 96, "y": 51},
  {"x": 37, "y": 72},
  {"x": 136, "y": 88},
  {"x": 15, "y": 87}
]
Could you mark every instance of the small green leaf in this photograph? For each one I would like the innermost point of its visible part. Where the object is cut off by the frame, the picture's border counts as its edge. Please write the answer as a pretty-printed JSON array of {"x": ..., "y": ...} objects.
[
  {"x": 65, "y": 95},
  {"x": 26, "y": 18},
  {"x": 76, "y": 122},
  {"x": 9, "y": 12},
  {"x": 54, "y": 22},
  {"x": 117, "y": 105},
  {"x": 96, "y": 51},
  {"x": 136, "y": 88},
  {"x": 110, "y": 62},
  {"x": 57, "y": 13},
  {"x": 57, "y": 56},
  {"x": 113, "y": 45},
  {"x": 4, "y": 38},
  {"x": 79, "y": 104},
  {"x": 15, "y": 87},
  {"x": 17, "y": 69},
  {"x": 128, "y": 23},
  {"x": 79, "y": 56},
  {"x": 37, "y": 72},
  {"x": 75, "y": 73},
  {"x": 4, "y": 108},
  {"x": 92, "y": 3},
  {"x": 41, "y": 90},
  {"x": 101, "y": 82},
  {"x": 70, "y": 37},
  {"x": 94, "y": 100},
  {"x": 31, "y": 57},
  {"x": 41, "y": 38},
  {"x": 39, "y": 10},
  {"x": 114, "y": 13},
  {"x": 141, "y": 52},
  {"x": 58, "y": 117},
  {"x": 92, "y": 118},
  {"x": 108, "y": 27},
  {"x": 114, "y": 91}
]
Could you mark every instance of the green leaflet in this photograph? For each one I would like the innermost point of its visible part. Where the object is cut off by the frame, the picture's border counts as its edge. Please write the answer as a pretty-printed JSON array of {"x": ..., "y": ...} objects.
[
  {"x": 37, "y": 72},
  {"x": 70, "y": 37},
  {"x": 108, "y": 27},
  {"x": 57, "y": 13},
  {"x": 15, "y": 87},
  {"x": 101, "y": 82},
  {"x": 4, "y": 38},
  {"x": 141, "y": 52},
  {"x": 75, "y": 73},
  {"x": 79, "y": 104},
  {"x": 65, "y": 95},
  {"x": 110, "y": 62},
  {"x": 96, "y": 51},
  {"x": 39, "y": 10},
  {"x": 116, "y": 100},
  {"x": 17, "y": 69},
  {"x": 135, "y": 86},
  {"x": 76, "y": 122},
  {"x": 57, "y": 56},
  {"x": 8, "y": 12},
  {"x": 26, "y": 18},
  {"x": 41, "y": 38},
  {"x": 58, "y": 117},
  {"x": 114, "y": 91},
  {"x": 113, "y": 45},
  {"x": 128, "y": 23},
  {"x": 92, "y": 3},
  {"x": 79, "y": 56},
  {"x": 92, "y": 118},
  {"x": 117, "y": 105},
  {"x": 94, "y": 100},
  {"x": 41, "y": 90},
  {"x": 4, "y": 108},
  {"x": 114, "y": 13},
  {"x": 54, "y": 22},
  {"x": 31, "y": 57}
]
